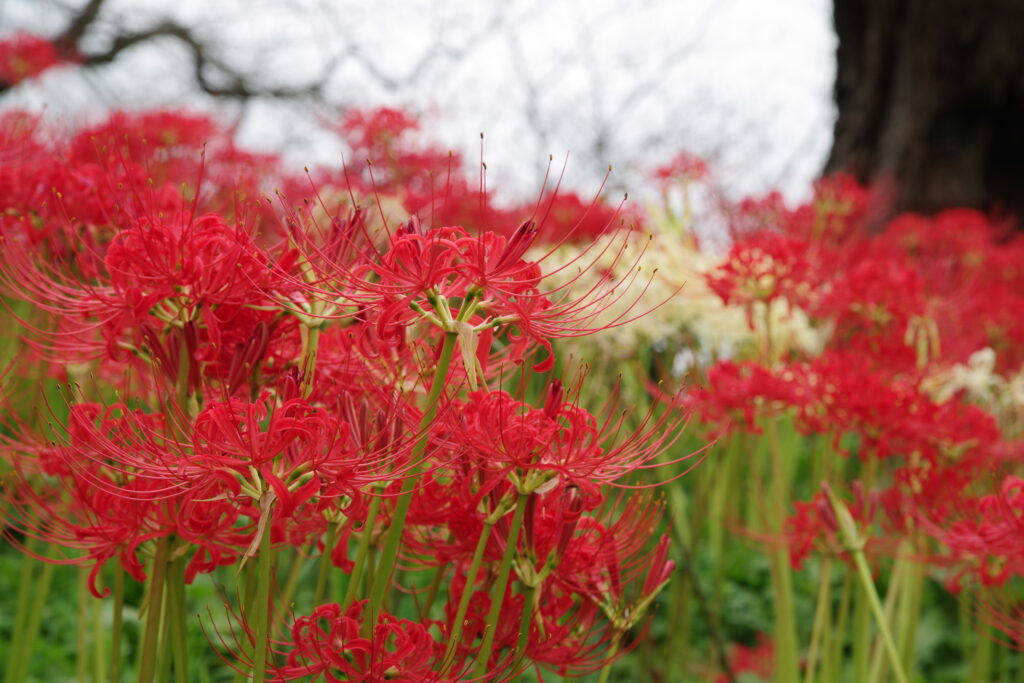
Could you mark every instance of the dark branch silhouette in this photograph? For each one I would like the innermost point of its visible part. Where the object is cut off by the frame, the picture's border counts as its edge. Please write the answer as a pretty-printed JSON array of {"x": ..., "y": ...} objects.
[{"x": 212, "y": 75}]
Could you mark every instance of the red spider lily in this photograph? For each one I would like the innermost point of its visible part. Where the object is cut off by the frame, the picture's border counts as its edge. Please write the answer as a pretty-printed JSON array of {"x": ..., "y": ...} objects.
[
  {"x": 162, "y": 288},
  {"x": 872, "y": 305},
  {"x": 683, "y": 167},
  {"x": 25, "y": 56},
  {"x": 742, "y": 395},
  {"x": 450, "y": 278},
  {"x": 338, "y": 645},
  {"x": 892, "y": 416},
  {"x": 279, "y": 384},
  {"x": 764, "y": 267},
  {"x": 986, "y": 536},
  {"x": 329, "y": 643},
  {"x": 757, "y": 659},
  {"x": 610, "y": 564},
  {"x": 93, "y": 525},
  {"x": 814, "y": 526},
  {"x": 123, "y": 482},
  {"x": 535, "y": 446},
  {"x": 610, "y": 559},
  {"x": 840, "y": 393},
  {"x": 572, "y": 219},
  {"x": 970, "y": 267},
  {"x": 841, "y": 210}
]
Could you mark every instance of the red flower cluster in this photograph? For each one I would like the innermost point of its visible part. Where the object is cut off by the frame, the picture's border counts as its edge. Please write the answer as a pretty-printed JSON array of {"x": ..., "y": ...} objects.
[
  {"x": 902, "y": 305},
  {"x": 318, "y": 385},
  {"x": 25, "y": 56}
]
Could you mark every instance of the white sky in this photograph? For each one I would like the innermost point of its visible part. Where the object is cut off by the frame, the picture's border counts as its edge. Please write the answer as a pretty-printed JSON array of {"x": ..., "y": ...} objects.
[{"x": 745, "y": 82}]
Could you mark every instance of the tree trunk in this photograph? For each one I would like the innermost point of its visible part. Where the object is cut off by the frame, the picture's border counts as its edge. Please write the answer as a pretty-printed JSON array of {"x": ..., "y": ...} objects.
[{"x": 931, "y": 102}]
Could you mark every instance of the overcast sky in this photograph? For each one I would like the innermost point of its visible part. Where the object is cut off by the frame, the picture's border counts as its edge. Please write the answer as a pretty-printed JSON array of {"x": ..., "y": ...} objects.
[{"x": 746, "y": 83}]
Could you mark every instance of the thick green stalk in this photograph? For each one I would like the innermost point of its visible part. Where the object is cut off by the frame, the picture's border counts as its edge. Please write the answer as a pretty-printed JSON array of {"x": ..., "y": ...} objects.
[
  {"x": 164, "y": 657},
  {"x": 467, "y": 592},
  {"x": 247, "y": 591},
  {"x": 893, "y": 591},
  {"x": 99, "y": 661},
  {"x": 175, "y": 620},
  {"x": 606, "y": 670},
  {"x": 435, "y": 586},
  {"x": 828, "y": 637},
  {"x": 910, "y": 609},
  {"x": 981, "y": 658},
  {"x": 861, "y": 633},
  {"x": 674, "y": 649},
  {"x": 21, "y": 613},
  {"x": 839, "y": 642},
  {"x": 82, "y": 637},
  {"x": 864, "y": 572},
  {"x": 116, "y": 629},
  {"x": 787, "y": 666},
  {"x": 154, "y": 605},
  {"x": 717, "y": 519},
  {"x": 525, "y": 621},
  {"x": 362, "y": 553},
  {"x": 389, "y": 551},
  {"x": 787, "y": 662},
  {"x": 822, "y": 616},
  {"x": 286, "y": 599},
  {"x": 35, "y": 618},
  {"x": 855, "y": 544},
  {"x": 678, "y": 642},
  {"x": 310, "y": 352},
  {"x": 261, "y": 603},
  {"x": 500, "y": 583},
  {"x": 325, "y": 565}
]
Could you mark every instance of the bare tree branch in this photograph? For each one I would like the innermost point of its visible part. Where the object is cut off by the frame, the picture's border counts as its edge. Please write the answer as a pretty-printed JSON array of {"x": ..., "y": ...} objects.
[
  {"x": 238, "y": 86},
  {"x": 231, "y": 83}
]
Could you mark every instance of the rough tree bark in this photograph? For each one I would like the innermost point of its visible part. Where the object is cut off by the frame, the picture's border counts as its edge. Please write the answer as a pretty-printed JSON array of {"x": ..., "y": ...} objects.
[{"x": 931, "y": 101}]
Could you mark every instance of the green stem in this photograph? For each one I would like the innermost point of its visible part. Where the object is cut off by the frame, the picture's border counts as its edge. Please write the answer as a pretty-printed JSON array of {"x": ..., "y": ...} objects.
[
  {"x": 116, "y": 629},
  {"x": 99, "y": 664},
  {"x": 154, "y": 604},
  {"x": 175, "y": 621},
  {"x": 325, "y": 565},
  {"x": 981, "y": 658},
  {"x": 247, "y": 599},
  {"x": 786, "y": 658},
  {"x": 868, "y": 584},
  {"x": 82, "y": 636},
  {"x": 787, "y": 665},
  {"x": 910, "y": 608},
  {"x": 261, "y": 604},
  {"x": 500, "y": 583},
  {"x": 839, "y": 642},
  {"x": 310, "y": 351},
  {"x": 722, "y": 491},
  {"x": 894, "y": 590},
  {"x": 291, "y": 585},
  {"x": 164, "y": 656},
  {"x": 855, "y": 545},
  {"x": 674, "y": 649},
  {"x": 467, "y": 593},
  {"x": 35, "y": 618},
  {"x": 606, "y": 670},
  {"x": 21, "y": 618},
  {"x": 362, "y": 553},
  {"x": 861, "y": 633},
  {"x": 821, "y": 617},
  {"x": 435, "y": 586},
  {"x": 524, "y": 624},
  {"x": 389, "y": 552}
]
